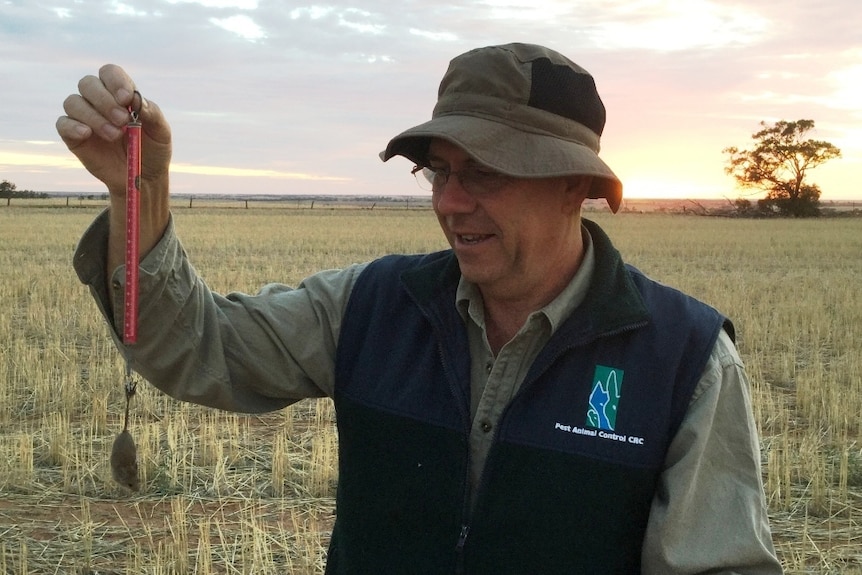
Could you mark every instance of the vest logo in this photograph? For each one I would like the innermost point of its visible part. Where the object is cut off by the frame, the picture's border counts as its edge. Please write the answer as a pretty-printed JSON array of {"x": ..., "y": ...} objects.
[
  {"x": 605, "y": 398},
  {"x": 602, "y": 411}
]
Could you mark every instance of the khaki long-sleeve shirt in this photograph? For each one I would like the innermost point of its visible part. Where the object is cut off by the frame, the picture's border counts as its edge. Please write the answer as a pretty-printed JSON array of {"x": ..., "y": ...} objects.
[{"x": 261, "y": 352}]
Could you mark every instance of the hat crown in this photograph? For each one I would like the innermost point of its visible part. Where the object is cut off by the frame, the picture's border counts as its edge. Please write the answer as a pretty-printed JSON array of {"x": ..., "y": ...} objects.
[
  {"x": 527, "y": 86},
  {"x": 522, "y": 110}
]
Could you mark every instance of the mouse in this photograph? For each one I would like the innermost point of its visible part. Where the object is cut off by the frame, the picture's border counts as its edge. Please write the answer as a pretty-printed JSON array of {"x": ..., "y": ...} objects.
[{"x": 124, "y": 453}]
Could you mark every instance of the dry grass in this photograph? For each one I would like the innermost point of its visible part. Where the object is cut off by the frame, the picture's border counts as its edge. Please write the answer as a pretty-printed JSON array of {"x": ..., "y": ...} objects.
[{"x": 225, "y": 493}]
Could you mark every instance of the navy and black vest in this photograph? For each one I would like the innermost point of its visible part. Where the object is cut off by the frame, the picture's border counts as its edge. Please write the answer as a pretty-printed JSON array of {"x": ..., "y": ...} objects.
[{"x": 571, "y": 475}]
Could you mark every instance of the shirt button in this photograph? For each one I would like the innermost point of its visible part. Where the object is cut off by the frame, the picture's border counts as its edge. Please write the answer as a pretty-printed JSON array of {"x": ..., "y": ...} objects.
[
  {"x": 487, "y": 427},
  {"x": 116, "y": 285},
  {"x": 489, "y": 366}
]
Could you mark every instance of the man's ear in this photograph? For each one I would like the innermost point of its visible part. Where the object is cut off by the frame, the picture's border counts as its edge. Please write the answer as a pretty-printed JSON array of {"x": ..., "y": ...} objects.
[{"x": 577, "y": 190}]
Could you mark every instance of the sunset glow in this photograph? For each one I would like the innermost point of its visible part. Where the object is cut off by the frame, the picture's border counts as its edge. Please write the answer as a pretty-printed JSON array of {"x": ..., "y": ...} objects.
[{"x": 269, "y": 101}]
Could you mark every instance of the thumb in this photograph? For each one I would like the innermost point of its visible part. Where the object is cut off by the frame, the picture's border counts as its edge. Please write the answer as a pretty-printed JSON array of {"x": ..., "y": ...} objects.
[
  {"x": 154, "y": 123},
  {"x": 156, "y": 142}
]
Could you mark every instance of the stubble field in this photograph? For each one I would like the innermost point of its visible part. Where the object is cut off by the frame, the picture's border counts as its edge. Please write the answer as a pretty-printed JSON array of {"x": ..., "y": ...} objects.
[{"x": 228, "y": 493}]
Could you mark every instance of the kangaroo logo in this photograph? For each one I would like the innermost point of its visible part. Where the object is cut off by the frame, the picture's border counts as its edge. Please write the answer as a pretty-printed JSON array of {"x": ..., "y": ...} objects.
[{"x": 605, "y": 398}]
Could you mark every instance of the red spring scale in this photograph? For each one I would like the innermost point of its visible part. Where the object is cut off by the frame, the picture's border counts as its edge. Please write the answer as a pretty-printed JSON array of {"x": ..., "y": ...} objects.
[{"x": 133, "y": 207}]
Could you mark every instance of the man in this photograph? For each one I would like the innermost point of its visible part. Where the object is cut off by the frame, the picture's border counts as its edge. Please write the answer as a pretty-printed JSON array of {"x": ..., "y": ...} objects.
[{"x": 521, "y": 403}]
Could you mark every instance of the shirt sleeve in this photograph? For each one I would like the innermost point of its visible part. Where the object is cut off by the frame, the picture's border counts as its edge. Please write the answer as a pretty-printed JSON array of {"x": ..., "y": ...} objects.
[
  {"x": 237, "y": 352},
  {"x": 709, "y": 513}
]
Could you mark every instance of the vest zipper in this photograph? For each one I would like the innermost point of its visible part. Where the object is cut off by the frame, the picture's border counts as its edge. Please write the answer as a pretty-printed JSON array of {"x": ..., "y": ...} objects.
[
  {"x": 462, "y": 538},
  {"x": 459, "y": 549},
  {"x": 465, "y": 507}
]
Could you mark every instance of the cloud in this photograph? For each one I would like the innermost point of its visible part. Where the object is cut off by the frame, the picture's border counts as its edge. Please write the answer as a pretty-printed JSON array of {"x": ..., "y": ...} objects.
[
  {"x": 272, "y": 91},
  {"x": 124, "y": 9},
  {"x": 14, "y": 159},
  {"x": 435, "y": 36},
  {"x": 242, "y": 26},
  {"x": 846, "y": 89},
  {"x": 537, "y": 10},
  {"x": 349, "y": 19},
  {"x": 666, "y": 25},
  {"x": 313, "y": 12},
  {"x": 220, "y": 4},
  {"x": 226, "y": 171}
]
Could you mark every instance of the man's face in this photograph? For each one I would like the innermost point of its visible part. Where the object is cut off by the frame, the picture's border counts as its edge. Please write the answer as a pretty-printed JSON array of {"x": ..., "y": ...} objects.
[{"x": 514, "y": 240}]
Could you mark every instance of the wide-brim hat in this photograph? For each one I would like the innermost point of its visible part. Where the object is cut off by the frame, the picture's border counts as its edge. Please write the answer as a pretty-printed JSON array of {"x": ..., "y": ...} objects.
[{"x": 522, "y": 110}]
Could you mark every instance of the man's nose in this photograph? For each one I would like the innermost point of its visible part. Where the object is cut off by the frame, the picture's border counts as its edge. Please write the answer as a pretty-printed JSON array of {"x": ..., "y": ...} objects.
[{"x": 453, "y": 198}]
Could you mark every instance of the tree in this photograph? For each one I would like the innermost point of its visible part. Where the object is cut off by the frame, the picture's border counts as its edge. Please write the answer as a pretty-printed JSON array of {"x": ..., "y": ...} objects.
[
  {"x": 779, "y": 164},
  {"x": 7, "y": 190}
]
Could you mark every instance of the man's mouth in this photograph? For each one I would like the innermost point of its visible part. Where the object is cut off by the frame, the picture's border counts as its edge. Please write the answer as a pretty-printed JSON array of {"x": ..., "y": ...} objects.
[{"x": 472, "y": 239}]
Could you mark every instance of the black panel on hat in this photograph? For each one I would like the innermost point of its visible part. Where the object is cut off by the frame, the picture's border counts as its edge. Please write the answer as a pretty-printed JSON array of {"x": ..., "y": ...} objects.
[{"x": 559, "y": 89}]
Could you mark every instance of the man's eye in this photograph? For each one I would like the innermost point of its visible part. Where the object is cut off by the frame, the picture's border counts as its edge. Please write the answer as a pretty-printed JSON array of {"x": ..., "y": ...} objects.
[{"x": 483, "y": 174}]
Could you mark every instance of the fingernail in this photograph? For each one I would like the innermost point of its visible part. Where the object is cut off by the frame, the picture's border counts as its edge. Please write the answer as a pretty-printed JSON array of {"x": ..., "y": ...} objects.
[
  {"x": 119, "y": 116},
  {"x": 111, "y": 132},
  {"x": 123, "y": 95}
]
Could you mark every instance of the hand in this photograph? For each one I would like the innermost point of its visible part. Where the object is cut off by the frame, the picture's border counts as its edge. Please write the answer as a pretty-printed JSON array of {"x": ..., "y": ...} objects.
[{"x": 93, "y": 130}]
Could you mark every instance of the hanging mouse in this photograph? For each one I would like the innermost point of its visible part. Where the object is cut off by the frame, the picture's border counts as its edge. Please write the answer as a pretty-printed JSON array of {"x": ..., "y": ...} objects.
[{"x": 124, "y": 454}]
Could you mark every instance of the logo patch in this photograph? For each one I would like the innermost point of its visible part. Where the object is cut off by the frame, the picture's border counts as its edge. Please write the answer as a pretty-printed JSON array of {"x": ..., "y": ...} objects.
[{"x": 605, "y": 398}]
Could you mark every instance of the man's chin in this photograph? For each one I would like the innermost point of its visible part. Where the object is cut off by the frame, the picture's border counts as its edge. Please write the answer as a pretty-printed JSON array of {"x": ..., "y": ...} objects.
[{"x": 475, "y": 273}]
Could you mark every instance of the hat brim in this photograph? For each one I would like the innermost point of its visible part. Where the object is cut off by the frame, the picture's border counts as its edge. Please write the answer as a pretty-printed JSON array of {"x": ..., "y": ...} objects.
[{"x": 510, "y": 151}]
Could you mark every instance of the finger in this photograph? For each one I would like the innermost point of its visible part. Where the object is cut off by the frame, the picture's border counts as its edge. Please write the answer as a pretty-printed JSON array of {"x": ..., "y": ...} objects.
[
  {"x": 115, "y": 79},
  {"x": 72, "y": 132},
  {"x": 82, "y": 110},
  {"x": 109, "y": 94},
  {"x": 117, "y": 82},
  {"x": 120, "y": 85}
]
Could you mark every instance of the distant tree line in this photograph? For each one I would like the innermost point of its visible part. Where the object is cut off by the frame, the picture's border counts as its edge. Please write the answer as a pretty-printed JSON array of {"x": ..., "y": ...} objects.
[
  {"x": 778, "y": 164},
  {"x": 8, "y": 190}
]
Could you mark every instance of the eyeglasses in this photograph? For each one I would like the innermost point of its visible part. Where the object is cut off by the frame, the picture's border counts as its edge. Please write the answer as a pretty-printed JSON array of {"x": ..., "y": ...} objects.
[{"x": 475, "y": 181}]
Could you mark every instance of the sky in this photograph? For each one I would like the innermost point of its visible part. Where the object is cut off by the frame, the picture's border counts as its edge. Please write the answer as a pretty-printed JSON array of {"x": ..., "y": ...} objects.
[{"x": 269, "y": 97}]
